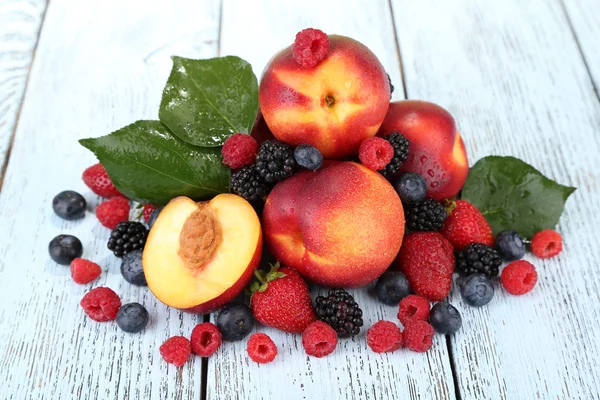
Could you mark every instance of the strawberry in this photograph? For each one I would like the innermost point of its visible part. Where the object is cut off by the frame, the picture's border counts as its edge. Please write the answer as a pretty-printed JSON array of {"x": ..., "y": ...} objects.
[
  {"x": 280, "y": 299},
  {"x": 113, "y": 211},
  {"x": 465, "y": 225},
  {"x": 96, "y": 178},
  {"x": 148, "y": 208},
  {"x": 427, "y": 261}
]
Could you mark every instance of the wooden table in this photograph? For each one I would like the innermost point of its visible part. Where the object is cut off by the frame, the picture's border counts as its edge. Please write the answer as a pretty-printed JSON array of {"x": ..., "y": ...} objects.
[{"x": 520, "y": 77}]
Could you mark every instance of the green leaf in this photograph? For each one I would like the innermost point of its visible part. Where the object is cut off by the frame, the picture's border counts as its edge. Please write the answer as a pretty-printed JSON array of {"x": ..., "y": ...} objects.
[
  {"x": 206, "y": 101},
  {"x": 147, "y": 163},
  {"x": 512, "y": 194}
]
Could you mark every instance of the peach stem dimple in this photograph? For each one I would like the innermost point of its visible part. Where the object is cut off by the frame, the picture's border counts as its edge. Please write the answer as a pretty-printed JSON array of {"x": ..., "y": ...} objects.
[{"x": 329, "y": 100}]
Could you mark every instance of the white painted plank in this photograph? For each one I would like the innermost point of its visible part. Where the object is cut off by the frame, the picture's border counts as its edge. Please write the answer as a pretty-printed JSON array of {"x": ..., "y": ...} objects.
[
  {"x": 353, "y": 370},
  {"x": 99, "y": 66},
  {"x": 511, "y": 74}
]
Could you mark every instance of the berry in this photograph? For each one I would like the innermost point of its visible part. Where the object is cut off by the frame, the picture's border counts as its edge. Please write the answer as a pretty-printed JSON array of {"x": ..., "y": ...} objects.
[
  {"x": 510, "y": 245},
  {"x": 477, "y": 258},
  {"x": 206, "y": 339},
  {"x": 84, "y": 271},
  {"x": 465, "y": 225},
  {"x": 275, "y": 161},
  {"x": 340, "y": 311},
  {"x": 127, "y": 237},
  {"x": 69, "y": 205},
  {"x": 418, "y": 336},
  {"x": 235, "y": 321},
  {"x": 426, "y": 215},
  {"x": 445, "y": 318},
  {"x": 248, "y": 183},
  {"x": 132, "y": 317},
  {"x": 96, "y": 178},
  {"x": 392, "y": 287},
  {"x": 310, "y": 47},
  {"x": 546, "y": 243},
  {"x": 319, "y": 339},
  {"x": 400, "y": 145},
  {"x": 411, "y": 187},
  {"x": 113, "y": 211},
  {"x": 519, "y": 277},
  {"x": 384, "y": 336},
  {"x": 153, "y": 217},
  {"x": 132, "y": 270},
  {"x": 261, "y": 348},
  {"x": 239, "y": 150},
  {"x": 176, "y": 350},
  {"x": 101, "y": 304},
  {"x": 148, "y": 210},
  {"x": 64, "y": 249},
  {"x": 391, "y": 86},
  {"x": 413, "y": 308},
  {"x": 375, "y": 153},
  {"x": 308, "y": 157},
  {"x": 476, "y": 290}
]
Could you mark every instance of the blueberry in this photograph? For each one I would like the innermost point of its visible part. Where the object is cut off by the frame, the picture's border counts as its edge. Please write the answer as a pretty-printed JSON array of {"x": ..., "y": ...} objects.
[
  {"x": 392, "y": 287},
  {"x": 445, "y": 318},
  {"x": 131, "y": 268},
  {"x": 235, "y": 321},
  {"x": 132, "y": 317},
  {"x": 153, "y": 217},
  {"x": 411, "y": 187},
  {"x": 476, "y": 290},
  {"x": 69, "y": 205},
  {"x": 65, "y": 248},
  {"x": 510, "y": 245},
  {"x": 308, "y": 156}
]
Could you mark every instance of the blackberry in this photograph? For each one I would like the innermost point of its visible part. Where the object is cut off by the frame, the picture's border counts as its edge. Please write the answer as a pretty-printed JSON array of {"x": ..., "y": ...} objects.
[
  {"x": 400, "y": 145},
  {"x": 426, "y": 215},
  {"x": 247, "y": 182},
  {"x": 127, "y": 237},
  {"x": 275, "y": 161},
  {"x": 478, "y": 258},
  {"x": 340, "y": 311},
  {"x": 391, "y": 86}
]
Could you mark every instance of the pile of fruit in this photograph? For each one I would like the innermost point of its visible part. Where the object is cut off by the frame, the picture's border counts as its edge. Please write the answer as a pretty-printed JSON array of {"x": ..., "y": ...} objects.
[{"x": 344, "y": 188}]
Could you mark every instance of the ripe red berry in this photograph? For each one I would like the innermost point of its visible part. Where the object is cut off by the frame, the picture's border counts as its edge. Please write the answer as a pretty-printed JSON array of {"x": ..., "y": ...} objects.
[
  {"x": 519, "y": 277},
  {"x": 418, "y": 336},
  {"x": 375, "y": 153},
  {"x": 84, "y": 271},
  {"x": 261, "y": 348},
  {"x": 96, "y": 178},
  {"x": 465, "y": 224},
  {"x": 546, "y": 243},
  {"x": 319, "y": 339},
  {"x": 176, "y": 350},
  {"x": 206, "y": 339},
  {"x": 310, "y": 47},
  {"x": 113, "y": 211},
  {"x": 413, "y": 308},
  {"x": 101, "y": 304},
  {"x": 384, "y": 336},
  {"x": 148, "y": 208},
  {"x": 239, "y": 150}
]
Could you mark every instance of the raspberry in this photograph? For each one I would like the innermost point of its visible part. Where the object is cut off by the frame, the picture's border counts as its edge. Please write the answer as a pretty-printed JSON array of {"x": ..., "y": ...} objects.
[
  {"x": 148, "y": 209},
  {"x": 239, "y": 150},
  {"x": 84, "y": 271},
  {"x": 519, "y": 277},
  {"x": 418, "y": 336},
  {"x": 113, "y": 211},
  {"x": 319, "y": 339},
  {"x": 176, "y": 350},
  {"x": 206, "y": 339},
  {"x": 375, "y": 153},
  {"x": 546, "y": 243},
  {"x": 413, "y": 308},
  {"x": 96, "y": 178},
  {"x": 261, "y": 348},
  {"x": 310, "y": 47},
  {"x": 384, "y": 336},
  {"x": 101, "y": 304}
]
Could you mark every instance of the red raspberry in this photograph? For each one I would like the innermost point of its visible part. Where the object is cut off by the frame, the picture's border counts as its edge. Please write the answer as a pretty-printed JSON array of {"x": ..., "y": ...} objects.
[
  {"x": 519, "y": 277},
  {"x": 113, "y": 211},
  {"x": 310, "y": 47},
  {"x": 84, "y": 271},
  {"x": 418, "y": 336},
  {"x": 413, "y": 308},
  {"x": 206, "y": 339},
  {"x": 148, "y": 208},
  {"x": 96, "y": 178},
  {"x": 101, "y": 304},
  {"x": 546, "y": 243},
  {"x": 176, "y": 350},
  {"x": 261, "y": 348},
  {"x": 239, "y": 150},
  {"x": 375, "y": 153},
  {"x": 384, "y": 336},
  {"x": 319, "y": 339}
]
